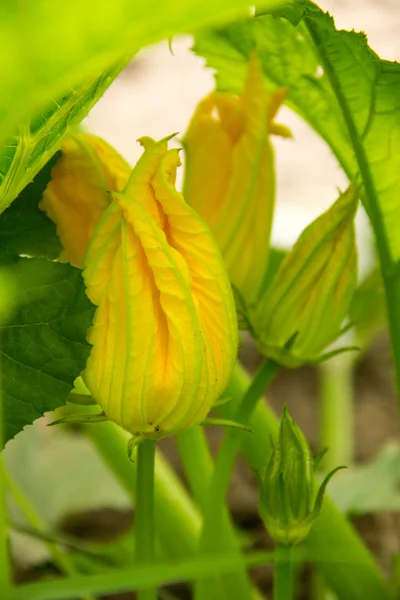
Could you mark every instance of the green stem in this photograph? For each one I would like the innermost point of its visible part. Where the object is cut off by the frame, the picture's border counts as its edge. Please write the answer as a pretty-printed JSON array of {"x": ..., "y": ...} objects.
[
  {"x": 144, "y": 510},
  {"x": 283, "y": 573},
  {"x": 229, "y": 448},
  {"x": 196, "y": 458},
  {"x": 212, "y": 538},
  {"x": 337, "y": 400},
  {"x": 177, "y": 520},
  {"x": 336, "y": 426},
  {"x": 60, "y": 558}
]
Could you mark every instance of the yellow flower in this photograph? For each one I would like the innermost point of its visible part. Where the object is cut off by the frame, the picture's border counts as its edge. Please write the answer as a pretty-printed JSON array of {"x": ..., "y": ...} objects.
[
  {"x": 76, "y": 197},
  {"x": 164, "y": 334},
  {"x": 230, "y": 178}
]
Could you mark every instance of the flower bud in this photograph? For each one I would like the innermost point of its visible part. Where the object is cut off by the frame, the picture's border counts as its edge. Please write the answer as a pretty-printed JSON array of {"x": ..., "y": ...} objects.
[
  {"x": 289, "y": 504},
  {"x": 303, "y": 309},
  {"x": 76, "y": 197},
  {"x": 164, "y": 335},
  {"x": 230, "y": 177}
]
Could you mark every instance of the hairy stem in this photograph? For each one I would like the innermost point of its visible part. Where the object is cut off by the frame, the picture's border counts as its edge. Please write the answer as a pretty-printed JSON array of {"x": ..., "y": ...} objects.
[
  {"x": 336, "y": 376},
  {"x": 144, "y": 510},
  {"x": 211, "y": 539},
  {"x": 283, "y": 574}
]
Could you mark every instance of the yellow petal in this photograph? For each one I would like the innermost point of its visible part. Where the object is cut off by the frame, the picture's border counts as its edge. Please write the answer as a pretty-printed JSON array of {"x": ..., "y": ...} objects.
[
  {"x": 230, "y": 177},
  {"x": 208, "y": 162},
  {"x": 77, "y": 197},
  {"x": 164, "y": 335}
]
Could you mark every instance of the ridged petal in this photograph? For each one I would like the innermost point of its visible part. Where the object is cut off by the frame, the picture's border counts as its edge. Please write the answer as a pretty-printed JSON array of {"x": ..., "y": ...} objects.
[
  {"x": 164, "y": 335},
  {"x": 230, "y": 177},
  {"x": 76, "y": 197}
]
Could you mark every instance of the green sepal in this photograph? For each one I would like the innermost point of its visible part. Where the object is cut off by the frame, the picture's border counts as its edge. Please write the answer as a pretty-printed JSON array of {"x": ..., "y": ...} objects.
[
  {"x": 222, "y": 400},
  {"x": 81, "y": 399},
  {"x": 227, "y": 423},
  {"x": 320, "y": 495},
  {"x": 78, "y": 419},
  {"x": 319, "y": 458},
  {"x": 327, "y": 355}
]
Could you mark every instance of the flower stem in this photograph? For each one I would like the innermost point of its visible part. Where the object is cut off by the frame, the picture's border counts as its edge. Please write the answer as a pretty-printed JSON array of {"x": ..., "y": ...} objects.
[
  {"x": 144, "y": 511},
  {"x": 336, "y": 376},
  {"x": 177, "y": 520},
  {"x": 283, "y": 576},
  {"x": 211, "y": 539},
  {"x": 196, "y": 458},
  {"x": 230, "y": 446}
]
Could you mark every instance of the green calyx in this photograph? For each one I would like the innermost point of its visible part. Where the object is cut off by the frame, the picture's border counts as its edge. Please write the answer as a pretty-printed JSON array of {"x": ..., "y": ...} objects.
[{"x": 289, "y": 501}]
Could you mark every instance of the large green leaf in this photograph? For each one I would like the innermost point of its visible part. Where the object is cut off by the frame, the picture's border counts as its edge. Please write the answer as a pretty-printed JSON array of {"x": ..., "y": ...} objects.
[
  {"x": 43, "y": 340},
  {"x": 337, "y": 84},
  {"x": 348, "y": 95},
  {"x": 24, "y": 228},
  {"x": 56, "y": 62},
  {"x": 39, "y": 137}
]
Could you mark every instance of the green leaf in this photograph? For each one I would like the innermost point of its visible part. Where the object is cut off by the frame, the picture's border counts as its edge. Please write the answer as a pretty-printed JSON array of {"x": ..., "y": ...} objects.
[
  {"x": 370, "y": 488},
  {"x": 43, "y": 340},
  {"x": 141, "y": 577},
  {"x": 348, "y": 95},
  {"x": 24, "y": 228},
  {"x": 56, "y": 64},
  {"x": 339, "y": 86},
  {"x": 39, "y": 137}
]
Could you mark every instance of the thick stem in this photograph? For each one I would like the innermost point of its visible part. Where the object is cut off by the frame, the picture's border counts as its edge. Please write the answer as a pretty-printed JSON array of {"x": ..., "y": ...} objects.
[
  {"x": 283, "y": 574},
  {"x": 196, "y": 458},
  {"x": 211, "y": 539},
  {"x": 144, "y": 510},
  {"x": 337, "y": 399},
  {"x": 177, "y": 520},
  {"x": 230, "y": 447}
]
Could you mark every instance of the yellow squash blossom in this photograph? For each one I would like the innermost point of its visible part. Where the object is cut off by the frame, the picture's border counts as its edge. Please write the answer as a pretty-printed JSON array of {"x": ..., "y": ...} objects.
[
  {"x": 164, "y": 335},
  {"x": 230, "y": 178},
  {"x": 77, "y": 196}
]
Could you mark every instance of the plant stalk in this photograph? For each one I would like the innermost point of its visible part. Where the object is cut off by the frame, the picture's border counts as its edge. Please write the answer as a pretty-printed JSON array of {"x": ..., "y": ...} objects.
[
  {"x": 196, "y": 458},
  {"x": 337, "y": 405},
  {"x": 283, "y": 574},
  {"x": 212, "y": 539},
  {"x": 144, "y": 510}
]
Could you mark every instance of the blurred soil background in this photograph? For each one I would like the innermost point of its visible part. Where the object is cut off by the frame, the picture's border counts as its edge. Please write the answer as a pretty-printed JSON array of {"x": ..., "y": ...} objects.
[{"x": 66, "y": 481}]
